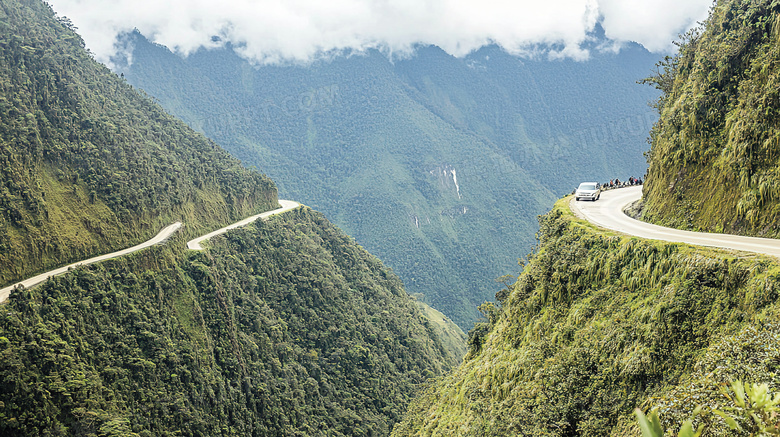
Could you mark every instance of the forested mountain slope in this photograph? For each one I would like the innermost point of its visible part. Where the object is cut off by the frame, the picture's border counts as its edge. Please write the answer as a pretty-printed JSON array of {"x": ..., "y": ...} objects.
[
  {"x": 285, "y": 327},
  {"x": 598, "y": 324},
  {"x": 715, "y": 156},
  {"x": 437, "y": 165},
  {"x": 87, "y": 164}
]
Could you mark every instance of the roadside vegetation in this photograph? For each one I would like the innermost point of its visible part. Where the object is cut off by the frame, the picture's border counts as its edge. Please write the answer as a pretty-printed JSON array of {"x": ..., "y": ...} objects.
[
  {"x": 598, "y": 324},
  {"x": 715, "y": 153}
]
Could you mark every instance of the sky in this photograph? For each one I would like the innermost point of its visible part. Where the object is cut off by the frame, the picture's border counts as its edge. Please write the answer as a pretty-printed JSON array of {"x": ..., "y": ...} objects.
[{"x": 299, "y": 31}]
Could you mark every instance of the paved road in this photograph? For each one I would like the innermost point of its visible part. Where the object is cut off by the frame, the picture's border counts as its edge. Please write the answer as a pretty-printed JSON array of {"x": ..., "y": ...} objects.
[
  {"x": 608, "y": 213},
  {"x": 286, "y": 206},
  {"x": 157, "y": 239}
]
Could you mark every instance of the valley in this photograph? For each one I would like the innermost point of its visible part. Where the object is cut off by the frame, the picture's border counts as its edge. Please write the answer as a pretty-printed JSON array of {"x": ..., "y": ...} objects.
[
  {"x": 436, "y": 164},
  {"x": 281, "y": 327},
  {"x": 602, "y": 322}
]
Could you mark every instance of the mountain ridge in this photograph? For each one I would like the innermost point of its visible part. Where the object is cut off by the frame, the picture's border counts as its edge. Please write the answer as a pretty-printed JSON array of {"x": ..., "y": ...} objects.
[{"x": 599, "y": 323}]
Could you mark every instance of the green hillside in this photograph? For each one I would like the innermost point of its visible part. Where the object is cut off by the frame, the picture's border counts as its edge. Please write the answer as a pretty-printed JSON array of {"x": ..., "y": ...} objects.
[
  {"x": 452, "y": 337},
  {"x": 437, "y": 165},
  {"x": 87, "y": 164},
  {"x": 715, "y": 156},
  {"x": 598, "y": 324},
  {"x": 286, "y": 327}
]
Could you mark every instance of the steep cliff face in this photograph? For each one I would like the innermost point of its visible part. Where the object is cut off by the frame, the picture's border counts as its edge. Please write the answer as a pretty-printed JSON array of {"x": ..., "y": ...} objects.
[
  {"x": 284, "y": 328},
  {"x": 87, "y": 164},
  {"x": 715, "y": 155},
  {"x": 598, "y": 324}
]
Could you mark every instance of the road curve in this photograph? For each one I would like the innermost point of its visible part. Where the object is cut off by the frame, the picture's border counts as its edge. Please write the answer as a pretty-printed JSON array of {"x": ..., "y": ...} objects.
[
  {"x": 286, "y": 206},
  {"x": 35, "y": 280},
  {"x": 607, "y": 213}
]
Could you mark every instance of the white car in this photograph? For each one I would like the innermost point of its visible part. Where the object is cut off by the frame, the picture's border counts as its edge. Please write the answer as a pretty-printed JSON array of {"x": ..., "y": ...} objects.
[{"x": 588, "y": 190}]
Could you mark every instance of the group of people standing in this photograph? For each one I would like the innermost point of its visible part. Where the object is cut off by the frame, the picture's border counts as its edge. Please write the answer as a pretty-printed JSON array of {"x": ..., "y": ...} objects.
[{"x": 617, "y": 183}]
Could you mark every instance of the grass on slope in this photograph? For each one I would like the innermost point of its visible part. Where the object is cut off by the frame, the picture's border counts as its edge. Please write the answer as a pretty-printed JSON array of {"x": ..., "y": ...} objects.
[
  {"x": 596, "y": 325},
  {"x": 715, "y": 154},
  {"x": 453, "y": 338}
]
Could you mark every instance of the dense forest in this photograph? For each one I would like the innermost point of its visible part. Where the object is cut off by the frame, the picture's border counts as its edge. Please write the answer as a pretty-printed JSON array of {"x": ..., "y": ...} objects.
[
  {"x": 438, "y": 165},
  {"x": 286, "y": 327},
  {"x": 598, "y": 324},
  {"x": 87, "y": 164},
  {"x": 715, "y": 155}
]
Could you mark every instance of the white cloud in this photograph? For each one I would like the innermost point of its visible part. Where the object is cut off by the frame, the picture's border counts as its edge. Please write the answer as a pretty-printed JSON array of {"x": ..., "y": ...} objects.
[
  {"x": 654, "y": 24},
  {"x": 300, "y": 30}
]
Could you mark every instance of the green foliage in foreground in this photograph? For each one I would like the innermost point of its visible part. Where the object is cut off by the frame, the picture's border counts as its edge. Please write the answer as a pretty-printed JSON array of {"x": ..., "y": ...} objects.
[
  {"x": 650, "y": 426},
  {"x": 87, "y": 164},
  {"x": 750, "y": 410},
  {"x": 712, "y": 395},
  {"x": 596, "y": 325},
  {"x": 715, "y": 155},
  {"x": 283, "y": 328}
]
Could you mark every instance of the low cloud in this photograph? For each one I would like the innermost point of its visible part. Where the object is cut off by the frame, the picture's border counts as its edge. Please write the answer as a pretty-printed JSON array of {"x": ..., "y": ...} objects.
[{"x": 273, "y": 31}]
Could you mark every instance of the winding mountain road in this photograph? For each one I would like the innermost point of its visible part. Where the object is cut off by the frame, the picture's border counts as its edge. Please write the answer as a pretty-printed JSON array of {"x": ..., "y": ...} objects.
[
  {"x": 161, "y": 237},
  {"x": 607, "y": 213},
  {"x": 286, "y": 206},
  {"x": 35, "y": 280}
]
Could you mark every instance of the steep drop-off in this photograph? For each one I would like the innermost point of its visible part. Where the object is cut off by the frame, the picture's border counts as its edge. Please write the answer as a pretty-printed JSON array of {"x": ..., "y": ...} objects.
[
  {"x": 284, "y": 328},
  {"x": 89, "y": 165},
  {"x": 598, "y": 324},
  {"x": 715, "y": 153}
]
